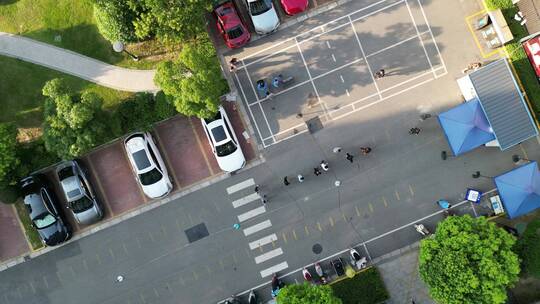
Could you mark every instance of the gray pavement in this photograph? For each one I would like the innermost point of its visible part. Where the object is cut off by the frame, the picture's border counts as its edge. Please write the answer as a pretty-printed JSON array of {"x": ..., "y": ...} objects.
[
  {"x": 76, "y": 64},
  {"x": 388, "y": 190}
]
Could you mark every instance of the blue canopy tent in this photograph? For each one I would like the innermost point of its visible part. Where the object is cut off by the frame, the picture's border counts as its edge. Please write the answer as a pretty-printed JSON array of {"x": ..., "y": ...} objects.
[
  {"x": 519, "y": 189},
  {"x": 466, "y": 127}
]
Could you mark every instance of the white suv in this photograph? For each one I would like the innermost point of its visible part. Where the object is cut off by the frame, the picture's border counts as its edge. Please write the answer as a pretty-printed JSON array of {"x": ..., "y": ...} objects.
[
  {"x": 264, "y": 16},
  {"x": 147, "y": 164},
  {"x": 223, "y": 142}
]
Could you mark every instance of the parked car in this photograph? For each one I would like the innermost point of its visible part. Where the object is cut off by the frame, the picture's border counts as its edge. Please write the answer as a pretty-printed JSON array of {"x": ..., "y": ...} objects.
[
  {"x": 223, "y": 142},
  {"x": 44, "y": 211},
  {"x": 78, "y": 193},
  {"x": 264, "y": 16},
  {"x": 293, "y": 7},
  {"x": 147, "y": 164},
  {"x": 230, "y": 25},
  {"x": 532, "y": 49}
]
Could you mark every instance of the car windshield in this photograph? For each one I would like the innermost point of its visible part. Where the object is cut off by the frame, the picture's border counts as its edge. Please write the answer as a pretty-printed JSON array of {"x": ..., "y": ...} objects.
[
  {"x": 225, "y": 11},
  {"x": 151, "y": 177},
  {"x": 226, "y": 149},
  {"x": 235, "y": 32},
  {"x": 259, "y": 7},
  {"x": 141, "y": 160},
  {"x": 44, "y": 220},
  {"x": 81, "y": 205},
  {"x": 219, "y": 133}
]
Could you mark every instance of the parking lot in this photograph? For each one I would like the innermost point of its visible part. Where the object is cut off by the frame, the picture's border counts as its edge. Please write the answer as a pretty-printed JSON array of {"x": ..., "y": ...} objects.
[{"x": 333, "y": 65}]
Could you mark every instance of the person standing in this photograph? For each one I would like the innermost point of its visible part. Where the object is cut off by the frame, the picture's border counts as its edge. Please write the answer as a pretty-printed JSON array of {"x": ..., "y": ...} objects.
[
  {"x": 286, "y": 181},
  {"x": 414, "y": 131},
  {"x": 380, "y": 74},
  {"x": 336, "y": 150},
  {"x": 324, "y": 165},
  {"x": 257, "y": 189},
  {"x": 316, "y": 171},
  {"x": 349, "y": 157},
  {"x": 365, "y": 150},
  {"x": 300, "y": 178}
]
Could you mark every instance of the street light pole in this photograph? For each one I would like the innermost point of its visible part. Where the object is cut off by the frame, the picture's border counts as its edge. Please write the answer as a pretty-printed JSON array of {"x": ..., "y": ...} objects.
[{"x": 118, "y": 46}]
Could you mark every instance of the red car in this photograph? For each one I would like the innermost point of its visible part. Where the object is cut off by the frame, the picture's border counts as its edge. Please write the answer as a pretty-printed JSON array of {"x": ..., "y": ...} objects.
[
  {"x": 532, "y": 48},
  {"x": 230, "y": 25},
  {"x": 293, "y": 7}
]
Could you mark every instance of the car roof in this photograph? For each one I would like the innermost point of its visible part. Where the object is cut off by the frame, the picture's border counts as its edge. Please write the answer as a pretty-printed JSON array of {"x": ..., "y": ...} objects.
[
  {"x": 218, "y": 131},
  {"x": 136, "y": 146},
  {"x": 35, "y": 204},
  {"x": 72, "y": 188},
  {"x": 230, "y": 19},
  {"x": 530, "y": 46}
]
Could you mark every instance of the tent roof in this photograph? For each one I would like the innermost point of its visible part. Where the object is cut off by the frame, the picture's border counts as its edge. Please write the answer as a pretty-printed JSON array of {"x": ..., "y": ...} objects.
[
  {"x": 466, "y": 127},
  {"x": 519, "y": 189}
]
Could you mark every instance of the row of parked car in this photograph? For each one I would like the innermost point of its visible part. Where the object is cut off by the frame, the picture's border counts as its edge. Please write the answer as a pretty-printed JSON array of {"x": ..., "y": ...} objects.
[
  {"x": 149, "y": 170},
  {"x": 263, "y": 15}
]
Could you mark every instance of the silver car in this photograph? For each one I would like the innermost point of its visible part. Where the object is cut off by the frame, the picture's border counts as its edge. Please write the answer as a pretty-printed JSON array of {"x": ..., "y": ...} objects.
[{"x": 78, "y": 193}]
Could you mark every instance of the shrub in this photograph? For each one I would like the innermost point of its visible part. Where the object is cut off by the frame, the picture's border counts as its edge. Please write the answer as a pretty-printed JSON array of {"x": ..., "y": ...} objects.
[
  {"x": 9, "y": 160},
  {"x": 141, "y": 111},
  {"x": 115, "y": 20},
  {"x": 495, "y": 4},
  {"x": 366, "y": 287},
  {"x": 528, "y": 248}
]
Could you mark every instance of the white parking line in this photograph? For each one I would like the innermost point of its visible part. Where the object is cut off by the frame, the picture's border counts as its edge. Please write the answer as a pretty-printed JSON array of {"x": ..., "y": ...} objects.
[
  {"x": 276, "y": 268},
  {"x": 251, "y": 213},
  {"x": 328, "y": 44},
  {"x": 242, "y": 185},
  {"x": 341, "y": 77},
  {"x": 268, "y": 255},
  {"x": 257, "y": 227},
  {"x": 333, "y": 57},
  {"x": 246, "y": 200},
  {"x": 432, "y": 37},
  {"x": 420, "y": 37},
  {"x": 249, "y": 108},
  {"x": 263, "y": 241}
]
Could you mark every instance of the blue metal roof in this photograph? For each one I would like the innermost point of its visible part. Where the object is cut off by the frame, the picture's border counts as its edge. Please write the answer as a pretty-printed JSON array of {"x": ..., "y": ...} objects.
[{"x": 519, "y": 189}]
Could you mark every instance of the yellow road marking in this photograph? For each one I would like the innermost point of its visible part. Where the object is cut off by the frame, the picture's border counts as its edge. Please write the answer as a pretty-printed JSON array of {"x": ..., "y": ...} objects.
[
  {"x": 125, "y": 248},
  {"x": 284, "y": 237},
  {"x": 111, "y": 253},
  {"x": 357, "y": 211},
  {"x": 294, "y": 235},
  {"x": 195, "y": 275},
  {"x": 155, "y": 292},
  {"x": 167, "y": 160},
  {"x": 384, "y": 201},
  {"x": 371, "y": 207},
  {"x": 319, "y": 226},
  {"x": 306, "y": 229},
  {"x": 397, "y": 195},
  {"x": 331, "y": 221},
  {"x": 202, "y": 148},
  {"x": 98, "y": 258},
  {"x": 411, "y": 190},
  {"x": 208, "y": 269},
  {"x": 221, "y": 264},
  {"x": 524, "y": 152}
]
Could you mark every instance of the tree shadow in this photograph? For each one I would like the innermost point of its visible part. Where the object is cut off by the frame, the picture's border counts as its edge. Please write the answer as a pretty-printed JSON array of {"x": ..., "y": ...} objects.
[{"x": 6, "y": 2}]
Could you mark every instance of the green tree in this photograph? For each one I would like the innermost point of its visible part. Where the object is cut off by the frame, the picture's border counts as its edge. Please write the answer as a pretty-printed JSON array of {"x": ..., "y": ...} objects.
[
  {"x": 74, "y": 123},
  {"x": 468, "y": 260},
  {"x": 9, "y": 160},
  {"x": 307, "y": 294},
  {"x": 194, "y": 81},
  {"x": 141, "y": 111},
  {"x": 528, "y": 248},
  {"x": 115, "y": 20}
]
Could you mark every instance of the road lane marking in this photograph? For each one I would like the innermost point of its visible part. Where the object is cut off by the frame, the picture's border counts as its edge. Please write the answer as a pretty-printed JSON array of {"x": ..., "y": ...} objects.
[
  {"x": 384, "y": 201},
  {"x": 357, "y": 211},
  {"x": 328, "y": 44},
  {"x": 306, "y": 229},
  {"x": 284, "y": 236},
  {"x": 246, "y": 200},
  {"x": 276, "y": 268},
  {"x": 319, "y": 226},
  {"x": 294, "y": 234},
  {"x": 251, "y": 213},
  {"x": 269, "y": 255},
  {"x": 257, "y": 227},
  {"x": 341, "y": 77},
  {"x": 45, "y": 282},
  {"x": 242, "y": 185},
  {"x": 155, "y": 292},
  {"x": 347, "y": 91},
  {"x": 195, "y": 275},
  {"x": 411, "y": 190},
  {"x": 331, "y": 221},
  {"x": 263, "y": 241},
  {"x": 371, "y": 207},
  {"x": 333, "y": 57},
  {"x": 32, "y": 287},
  {"x": 397, "y": 195}
]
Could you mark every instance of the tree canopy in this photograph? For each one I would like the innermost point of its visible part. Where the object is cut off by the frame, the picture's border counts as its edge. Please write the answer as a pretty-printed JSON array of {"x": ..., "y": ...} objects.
[
  {"x": 73, "y": 123},
  {"x": 194, "y": 81},
  {"x": 468, "y": 260},
  {"x": 528, "y": 248},
  {"x": 9, "y": 160},
  {"x": 307, "y": 294}
]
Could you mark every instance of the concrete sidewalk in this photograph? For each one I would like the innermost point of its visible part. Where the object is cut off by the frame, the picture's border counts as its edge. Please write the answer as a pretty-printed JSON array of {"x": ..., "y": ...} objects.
[{"x": 76, "y": 64}]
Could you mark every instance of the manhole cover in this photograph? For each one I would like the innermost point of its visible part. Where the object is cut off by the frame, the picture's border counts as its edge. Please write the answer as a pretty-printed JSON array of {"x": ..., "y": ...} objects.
[
  {"x": 317, "y": 248},
  {"x": 197, "y": 232}
]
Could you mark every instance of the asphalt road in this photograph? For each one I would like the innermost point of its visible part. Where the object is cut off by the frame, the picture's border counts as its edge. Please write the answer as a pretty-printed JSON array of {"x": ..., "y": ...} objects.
[{"x": 393, "y": 186}]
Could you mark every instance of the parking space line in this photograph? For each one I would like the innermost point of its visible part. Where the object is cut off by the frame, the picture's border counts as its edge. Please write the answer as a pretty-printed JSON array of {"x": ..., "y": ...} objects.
[
  {"x": 411, "y": 190},
  {"x": 263, "y": 241},
  {"x": 257, "y": 227},
  {"x": 357, "y": 211},
  {"x": 384, "y": 201},
  {"x": 246, "y": 200},
  {"x": 420, "y": 38},
  {"x": 85, "y": 264},
  {"x": 195, "y": 275},
  {"x": 111, "y": 253},
  {"x": 240, "y": 186},
  {"x": 141, "y": 296},
  {"x": 249, "y": 107},
  {"x": 334, "y": 57},
  {"x": 268, "y": 255},
  {"x": 251, "y": 213},
  {"x": 276, "y": 268},
  {"x": 344, "y": 217},
  {"x": 98, "y": 258},
  {"x": 201, "y": 148},
  {"x": 432, "y": 37},
  {"x": 45, "y": 282},
  {"x": 167, "y": 159}
]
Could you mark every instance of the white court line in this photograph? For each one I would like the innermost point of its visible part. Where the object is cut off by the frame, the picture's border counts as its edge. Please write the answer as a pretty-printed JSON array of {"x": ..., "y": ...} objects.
[
  {"x": 347, "y": 91},
  {"x": 328, "y": 44},
  {"x": 242, "y": 185},
  {"x": 365, "y": 59},
  {"x": 246, "y": 200},
  {"x": 334, "y": 57},
  {"x": 287, "y": 130},
  {"x": 251, "y": 213},
  {"x": 263, "y": 241},
  {"x": 257, "y": 227},
  {"x": 268, "y": 255},
  {"x": 249, "y": 108},
  {"x": 313, "y": 29},
  {"x": 432, "y": 37},
  {"x": 276, "y": 268},
  {"x": 341, "y": 77},
  {"x": 420, "y": 37}
]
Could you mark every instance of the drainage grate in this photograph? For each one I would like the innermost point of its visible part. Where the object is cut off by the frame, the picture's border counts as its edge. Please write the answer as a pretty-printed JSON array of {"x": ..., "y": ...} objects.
[
  {"x": 196, "y": 232},
  {"x": 314, "y": 124}
]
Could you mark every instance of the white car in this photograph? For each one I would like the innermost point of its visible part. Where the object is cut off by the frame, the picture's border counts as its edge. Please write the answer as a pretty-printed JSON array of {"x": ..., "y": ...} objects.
[
  {"x": 264, "y": 16},
  {"x": 223, "y": 142},
  {"x": 147, "y": 164}
]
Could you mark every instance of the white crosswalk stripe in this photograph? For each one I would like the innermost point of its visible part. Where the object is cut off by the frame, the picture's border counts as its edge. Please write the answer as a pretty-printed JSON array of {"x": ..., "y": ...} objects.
[
  {"x": 268, "y": 255},
  {"x": 257, "y": 227},
  {"x": 246, "y": 200},
  {"x": 276, "y": 268},
  {"x": 242, "y": 185},
  {"x": 263, "y": 241},
  {"x": 251, "y": 213}
]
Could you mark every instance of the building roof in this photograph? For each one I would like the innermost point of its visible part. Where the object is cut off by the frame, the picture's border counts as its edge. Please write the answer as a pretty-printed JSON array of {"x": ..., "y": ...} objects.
[
  {"x": 503, "y": 104},
  {"x": 530, "y": 9},
  {"x": 519, "y": 189}
]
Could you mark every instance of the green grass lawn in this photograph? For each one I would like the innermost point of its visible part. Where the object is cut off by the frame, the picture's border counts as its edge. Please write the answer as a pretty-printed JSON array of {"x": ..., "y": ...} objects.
[
  {"x": 31, "y": 234},
  {"x": 70, "y": 24},
  {"x": 20, "y": 88},
  {"x": 366, "y": 287}
]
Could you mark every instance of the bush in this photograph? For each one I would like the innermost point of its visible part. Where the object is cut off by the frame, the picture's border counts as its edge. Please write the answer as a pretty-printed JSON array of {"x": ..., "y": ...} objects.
[
  {"x": 164, "y": 106},
  {"x": 367, "y": 287},
  {"x": 115, "y": 20},
  {"x": 495, "y": 4},
  {"x": 528, "y": 249},
  {"x": 141, "y": 111},
  {"x": 9, "y": 159}
]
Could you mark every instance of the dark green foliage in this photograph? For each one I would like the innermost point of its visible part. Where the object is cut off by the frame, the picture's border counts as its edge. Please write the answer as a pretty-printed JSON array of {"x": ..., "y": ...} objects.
[
  {"x": 141, "y": 111},
  {"x": 115, "y": 19},
  {"x": 194, "y": 81},
  {"x": 468, "y": 260},
  {"x": 9, "y": 160},
  {"x": 307, "y": 294},
  {"x": 495, "y": 4},
  {"x": 528, "y": 248},
  {"x": 367, "y": 287}
]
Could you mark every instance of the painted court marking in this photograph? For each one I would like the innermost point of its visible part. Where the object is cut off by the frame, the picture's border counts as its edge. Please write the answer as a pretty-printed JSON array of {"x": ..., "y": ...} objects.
[
  {"x": 268, "y": 255},
  {"x": 257, "y": 227},
  {"x": 263, "y": 241}
]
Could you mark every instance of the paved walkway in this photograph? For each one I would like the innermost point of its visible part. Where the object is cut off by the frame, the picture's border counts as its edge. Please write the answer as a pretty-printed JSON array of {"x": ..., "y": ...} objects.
[{"x": 76, "y": 64}]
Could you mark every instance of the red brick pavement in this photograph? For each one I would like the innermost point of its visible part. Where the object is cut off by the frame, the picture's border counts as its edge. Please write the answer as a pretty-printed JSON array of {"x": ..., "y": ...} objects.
[
  {"x": 239, "y": 128},
  {"x": 12, "y": 240}
]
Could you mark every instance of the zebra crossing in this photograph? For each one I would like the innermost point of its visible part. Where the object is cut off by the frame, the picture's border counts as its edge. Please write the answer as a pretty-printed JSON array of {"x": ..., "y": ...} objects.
[{"x": 259, "y": 234}]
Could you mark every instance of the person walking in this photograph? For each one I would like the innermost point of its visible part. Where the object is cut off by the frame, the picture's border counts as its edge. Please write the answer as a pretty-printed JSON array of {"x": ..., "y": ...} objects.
[
  {"x": 264, "y": 200},
  {"x": 300, "y": 178},
  {"x": 257, "y": 189},
  {"x": 365, "y": 150},
  {"x": 324, "y": 165},
  {"x": 336, "y": 150},
  {"x": 349, "y": 157},
  {"x": 414, "y": 131},
  {"x": 232, "y": 64},
  {"x": 316, "y": 171},
  {"x": 380, "y": 74},
  {"x": 286, "y": 181}
]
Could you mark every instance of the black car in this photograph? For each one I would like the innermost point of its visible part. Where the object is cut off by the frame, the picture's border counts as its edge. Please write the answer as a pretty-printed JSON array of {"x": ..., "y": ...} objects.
[{"x": 44, "y": 211}]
